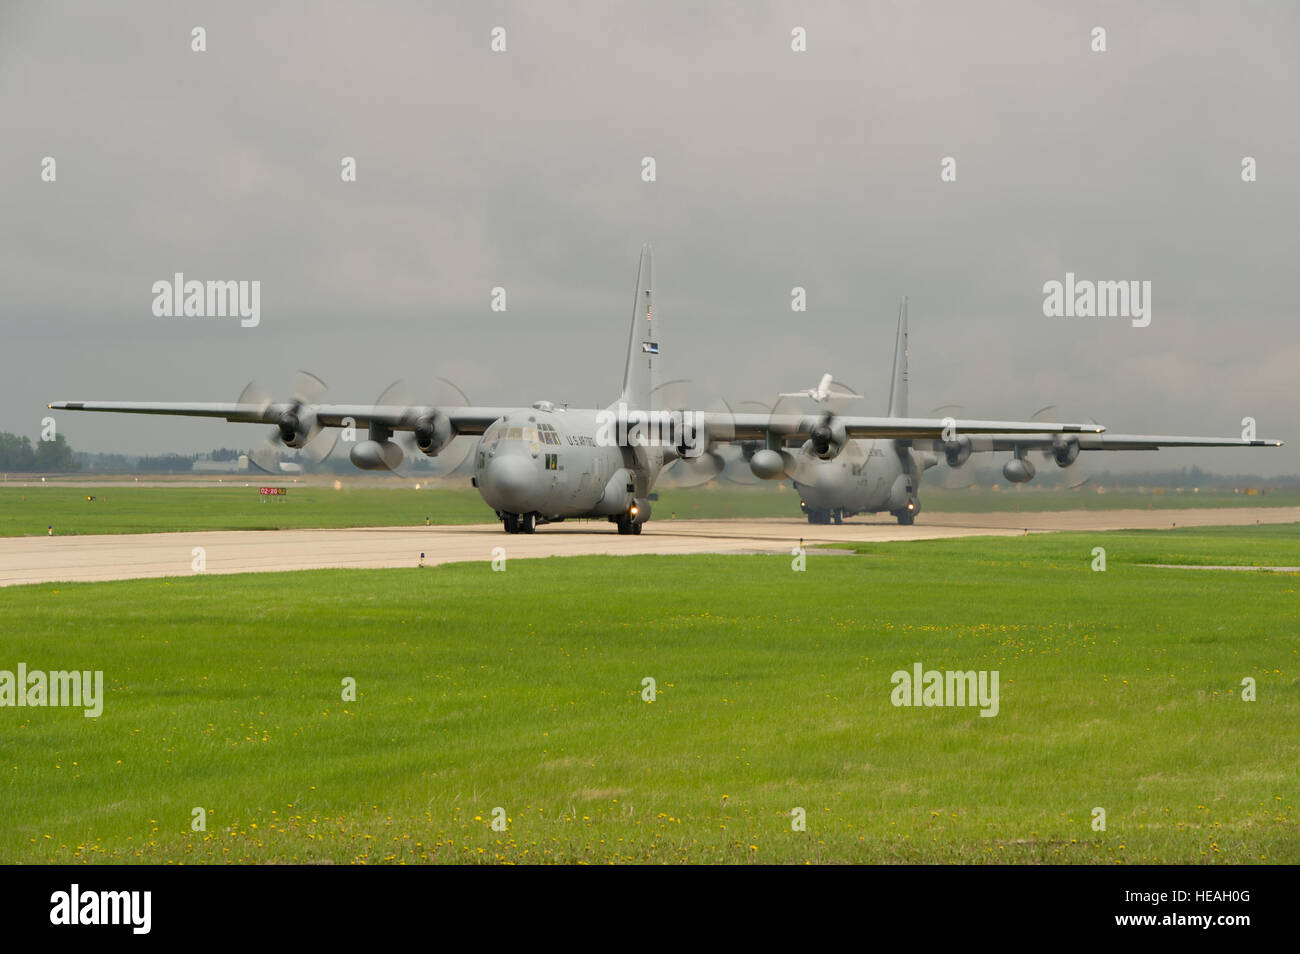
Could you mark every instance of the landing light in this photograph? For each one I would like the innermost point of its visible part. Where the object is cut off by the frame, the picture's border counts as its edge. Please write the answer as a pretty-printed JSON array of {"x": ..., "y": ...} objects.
[{"x": 911, "y": 506}]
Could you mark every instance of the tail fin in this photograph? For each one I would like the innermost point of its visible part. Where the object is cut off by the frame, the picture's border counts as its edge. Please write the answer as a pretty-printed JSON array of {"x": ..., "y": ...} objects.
[
  {"x": 898, "y": 386},
  {"x": 642, "y": 345}
]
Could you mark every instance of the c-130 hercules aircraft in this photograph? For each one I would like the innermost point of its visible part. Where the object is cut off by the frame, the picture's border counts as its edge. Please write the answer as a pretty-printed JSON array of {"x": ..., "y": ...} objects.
[
  {"x": 544, "y": 464},
  {"x": 872, "y": 476}
]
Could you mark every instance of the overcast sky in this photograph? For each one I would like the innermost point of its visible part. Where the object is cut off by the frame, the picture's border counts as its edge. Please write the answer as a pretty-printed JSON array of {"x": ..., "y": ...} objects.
[{"x": 522, "y": 169}]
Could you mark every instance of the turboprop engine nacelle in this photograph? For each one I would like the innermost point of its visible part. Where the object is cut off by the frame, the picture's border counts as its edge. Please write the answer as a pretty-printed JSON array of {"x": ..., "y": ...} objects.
[
  {"x": 957, "y": 452},
  {"x": 766, "y": 464},
  {"x": 1065, "y": 451},
  {"x": 376, "y": 455},
  {"x": 296, "y": 427},
  {"x": 432, "y": 432},
  {"x": 827, "y": 439},
  {"x": 1018, "y": 470}
]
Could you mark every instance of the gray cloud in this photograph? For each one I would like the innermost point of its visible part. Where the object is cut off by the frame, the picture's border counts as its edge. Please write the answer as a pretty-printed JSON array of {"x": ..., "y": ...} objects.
[{"x": 775, "y": 169}]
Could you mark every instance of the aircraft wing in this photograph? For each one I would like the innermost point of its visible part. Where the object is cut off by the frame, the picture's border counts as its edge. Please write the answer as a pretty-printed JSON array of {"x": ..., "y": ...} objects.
[
  {"x": 1111, "y": 442},
  {"x": 1149, "y": 442},
  {"x": 757, "y": 426},
  {"x": 465, "y": 420}
]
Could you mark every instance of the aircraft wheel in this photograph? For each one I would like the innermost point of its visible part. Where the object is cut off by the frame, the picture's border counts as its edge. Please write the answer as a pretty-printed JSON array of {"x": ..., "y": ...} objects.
[
  {"x": 527, "y": 522},
  {"x": 511, "y": 522},
  {"x": 906, "y": 518},
  {"x": 624, "y": 525},
  {"x": 839, "y": 516},
  {"x": 636, "y": 528}
]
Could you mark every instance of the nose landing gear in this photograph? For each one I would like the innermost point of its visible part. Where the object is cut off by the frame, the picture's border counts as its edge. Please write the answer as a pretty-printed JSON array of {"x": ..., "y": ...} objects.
[
  {"x": 907, "y": 516},
  {"x": 519, "y": 522}
]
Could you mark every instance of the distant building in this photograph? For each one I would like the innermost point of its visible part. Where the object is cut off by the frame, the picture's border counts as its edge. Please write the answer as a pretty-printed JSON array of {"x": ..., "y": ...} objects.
[{"x": 238, "y": 466}]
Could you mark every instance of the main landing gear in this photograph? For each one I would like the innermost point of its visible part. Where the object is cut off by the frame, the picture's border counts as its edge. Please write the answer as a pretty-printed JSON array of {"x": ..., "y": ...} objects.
[
  {"x": 626, "y": 525},
  {"x": 825, "y": 516}
]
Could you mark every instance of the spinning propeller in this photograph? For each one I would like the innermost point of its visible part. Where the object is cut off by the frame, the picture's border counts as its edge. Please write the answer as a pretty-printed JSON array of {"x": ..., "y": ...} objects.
[
  {"x": 716, "y": 452},
  {"x": 296, "y": 428},
  {"x": 429, "y": 431},
  {"x": 827, "y": 440}
]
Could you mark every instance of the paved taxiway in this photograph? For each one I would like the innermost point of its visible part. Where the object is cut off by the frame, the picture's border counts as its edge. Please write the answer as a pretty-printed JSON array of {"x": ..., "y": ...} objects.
[{"x": 127, "y": 556}]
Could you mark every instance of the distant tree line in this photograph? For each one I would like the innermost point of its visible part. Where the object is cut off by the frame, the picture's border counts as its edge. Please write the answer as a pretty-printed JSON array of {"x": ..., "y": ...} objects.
[
  {"x": 1191, "y": 477},
  {"x": 22, "y": 455},
  {"x": 165, "y": 464},
  {"x": 104, "y": 463},
  {"x": 19, "y": 455}
]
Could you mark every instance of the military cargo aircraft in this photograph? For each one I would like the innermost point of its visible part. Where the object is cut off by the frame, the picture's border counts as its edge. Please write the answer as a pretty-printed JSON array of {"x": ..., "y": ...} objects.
[
  {"x": 882, "y": 474},
  {"x": 545, "y": 463}
]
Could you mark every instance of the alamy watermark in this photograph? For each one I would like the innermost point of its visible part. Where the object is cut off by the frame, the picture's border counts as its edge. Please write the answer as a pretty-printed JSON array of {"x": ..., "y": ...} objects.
[
  {"x": 75, "y": 906},
  {"x": 1082, "y": 298},
  {"x": 179, "y": 298},
  {"x": 619, "y": 426},
  {"x": 935, "y": 687},
  {"x": 56, "y": 688}
]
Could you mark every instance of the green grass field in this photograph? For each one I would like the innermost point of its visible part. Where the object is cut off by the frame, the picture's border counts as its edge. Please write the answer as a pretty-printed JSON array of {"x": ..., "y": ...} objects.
[
  {"x": 523, "y": 690},
  {"x": 122, "y": 508},
  {"x": 126, "y": 509},
  {"x": 1268, "y": 545}
]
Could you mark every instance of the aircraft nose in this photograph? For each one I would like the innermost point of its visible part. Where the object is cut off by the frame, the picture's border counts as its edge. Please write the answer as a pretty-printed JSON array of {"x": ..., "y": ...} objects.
[
  {"x": 825, "y": 478},
  {"x": 510, "y": 479}
]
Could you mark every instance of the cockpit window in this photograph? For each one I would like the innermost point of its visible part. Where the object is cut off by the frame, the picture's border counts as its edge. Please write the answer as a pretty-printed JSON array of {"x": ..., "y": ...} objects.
[{"x": 544, "y": 434}]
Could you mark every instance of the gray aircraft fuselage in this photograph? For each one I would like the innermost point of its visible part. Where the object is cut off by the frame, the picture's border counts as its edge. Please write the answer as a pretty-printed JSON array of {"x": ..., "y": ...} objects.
[
  {"x": 869, "y": 477},
  {"x": 548, "y": 461}
]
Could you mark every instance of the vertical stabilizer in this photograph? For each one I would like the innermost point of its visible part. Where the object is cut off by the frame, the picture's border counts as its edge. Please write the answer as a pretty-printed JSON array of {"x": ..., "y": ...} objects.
[
  {"x": 898, "y": 385},
  {"x": 642, "y": 343}
]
